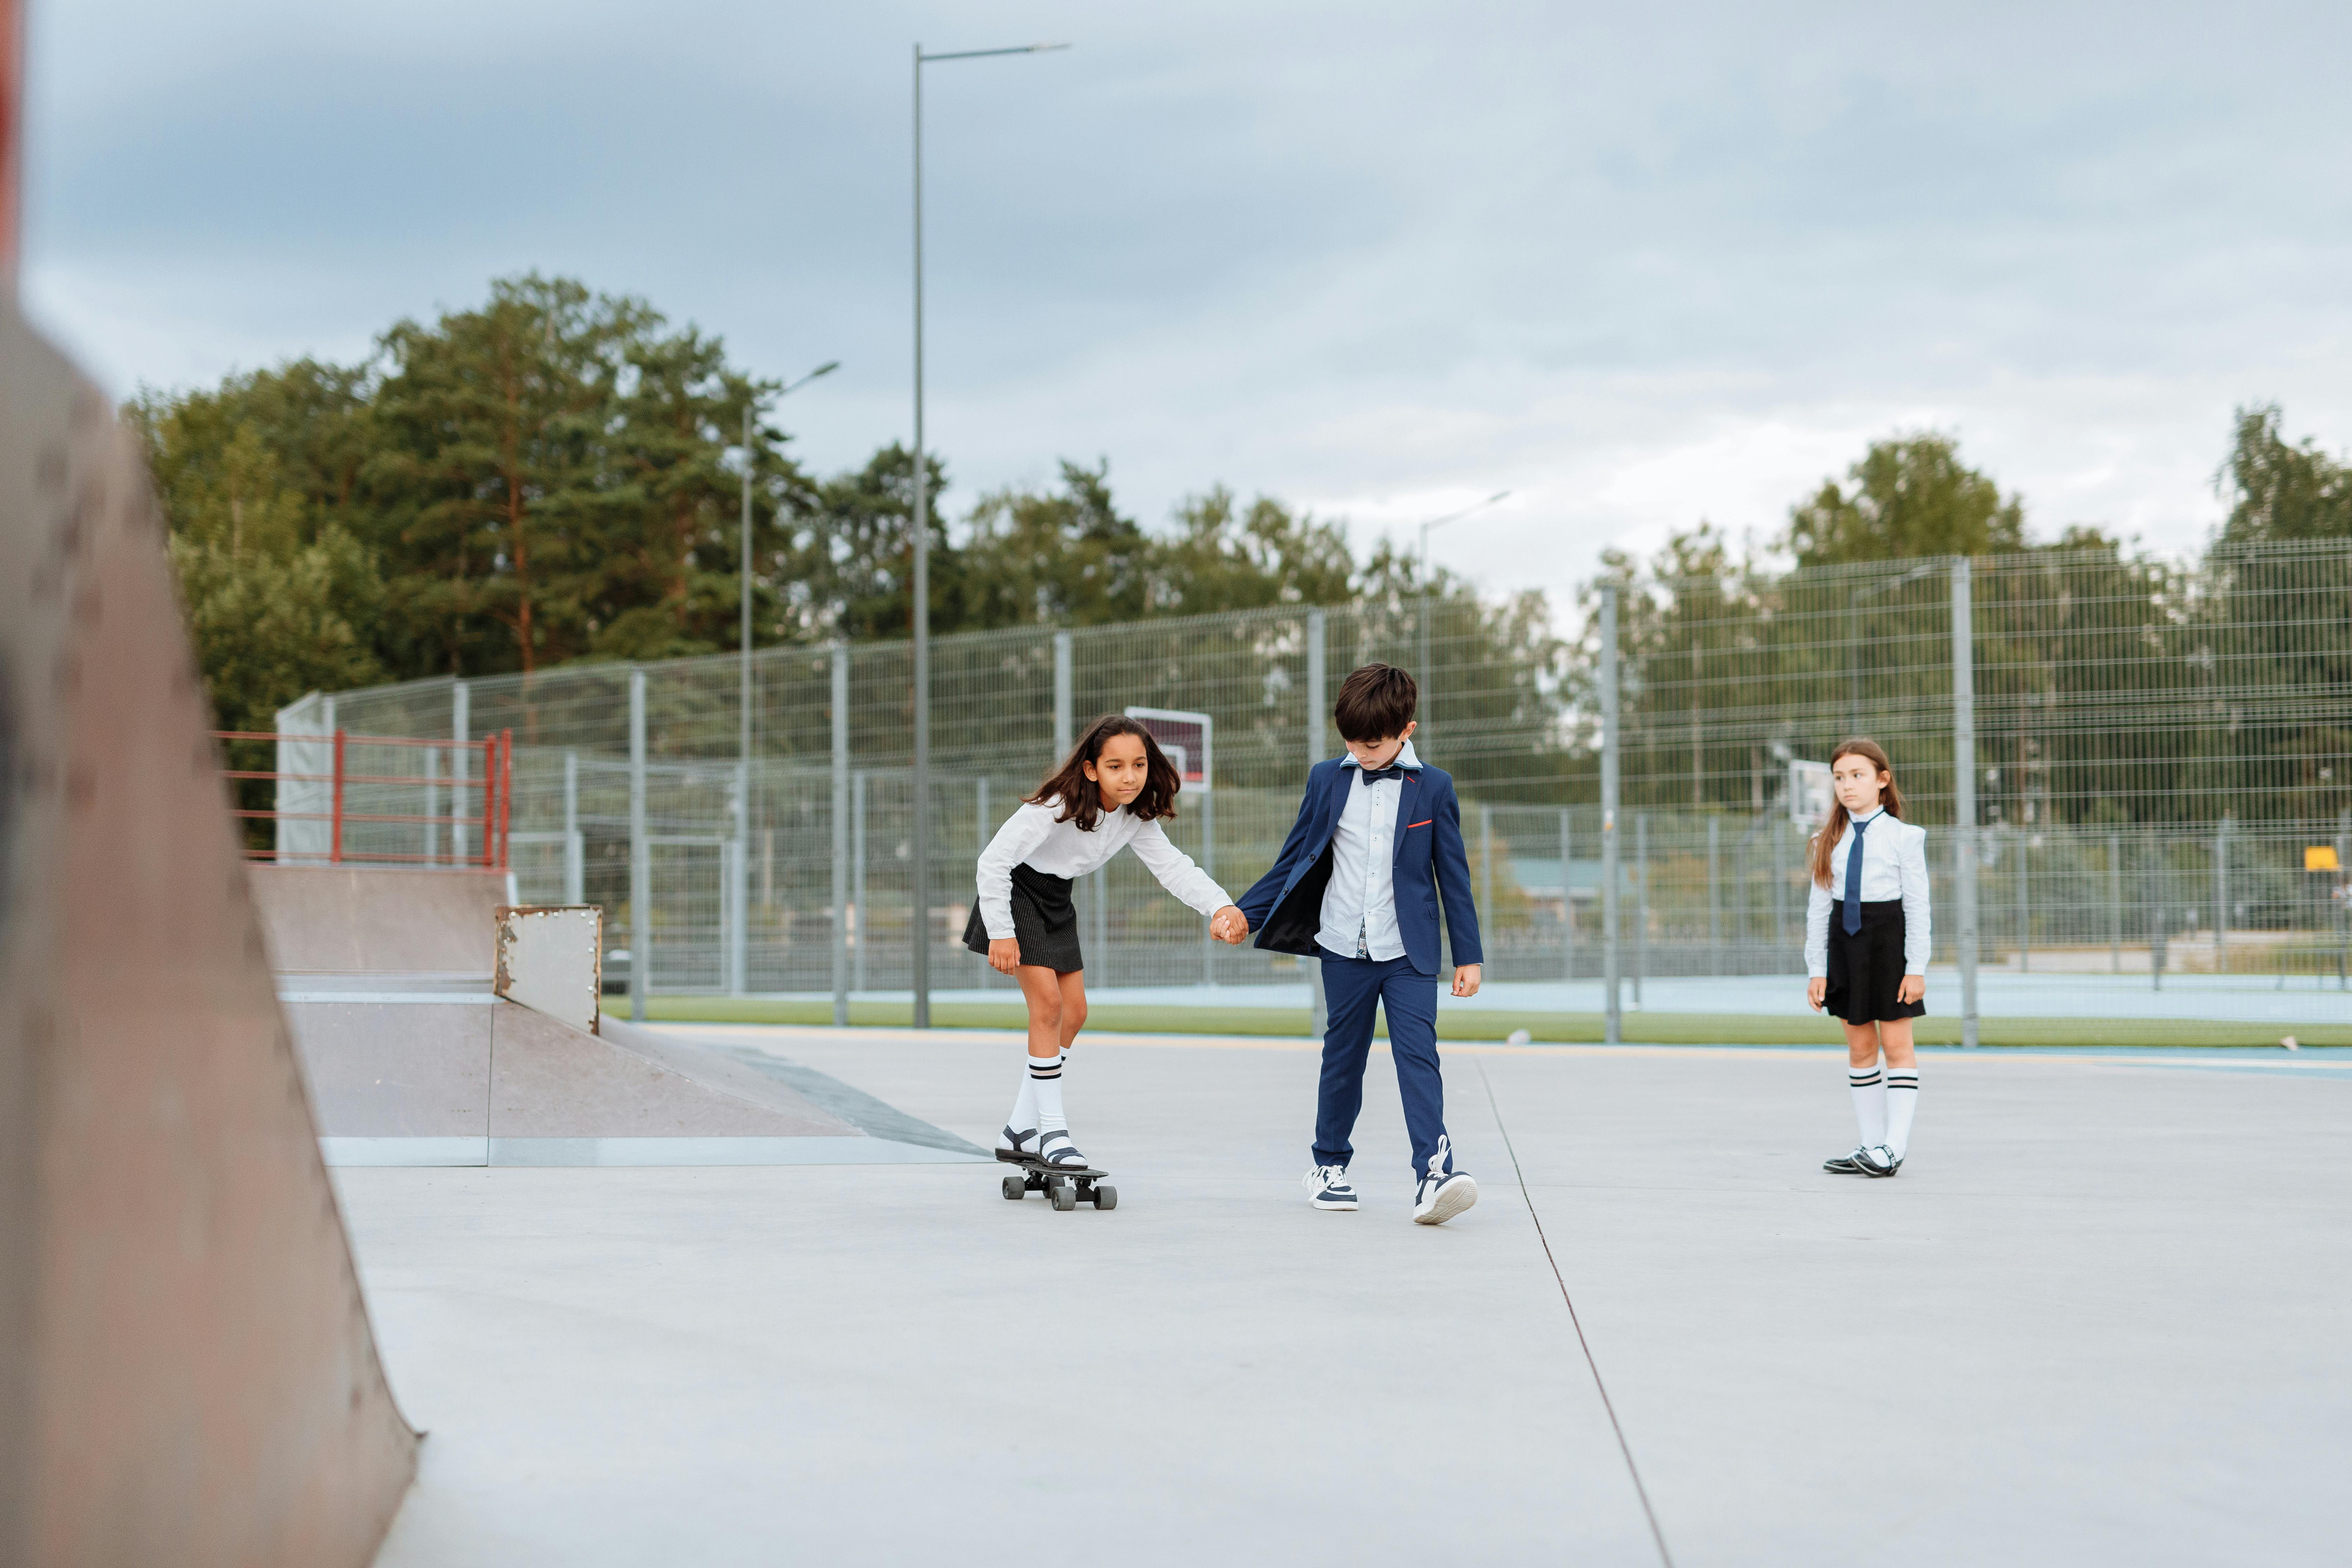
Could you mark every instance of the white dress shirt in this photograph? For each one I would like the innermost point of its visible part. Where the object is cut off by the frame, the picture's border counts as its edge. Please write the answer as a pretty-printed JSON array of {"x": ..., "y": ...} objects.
[
  {"x": 1361, "y": 894},
  {"x": 1894, "y": 866},
  {"x": 1030, "y": 837}
]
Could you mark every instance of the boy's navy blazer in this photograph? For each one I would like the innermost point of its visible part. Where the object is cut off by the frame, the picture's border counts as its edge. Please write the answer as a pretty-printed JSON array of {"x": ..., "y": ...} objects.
[{"x": 1286, "y": 906}]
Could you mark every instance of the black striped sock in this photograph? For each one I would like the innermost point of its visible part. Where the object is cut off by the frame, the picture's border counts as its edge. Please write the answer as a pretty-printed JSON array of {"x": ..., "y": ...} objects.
[
  {"x": 1902, "y": 1104},
  {"x": 1045, "y": 1077},
  {"x": 1869, "y": 1103}
]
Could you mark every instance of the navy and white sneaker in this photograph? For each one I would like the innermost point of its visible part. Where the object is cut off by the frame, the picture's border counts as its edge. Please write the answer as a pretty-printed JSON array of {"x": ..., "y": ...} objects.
[
  {"x": 1055, "y": 1149},
  {"x": 1877, "y": 1160},
  {"x": 1008, "y": 1141},
  {"x": 1327, "y": 1187},
  {"x": 1442, "y": 1193}
]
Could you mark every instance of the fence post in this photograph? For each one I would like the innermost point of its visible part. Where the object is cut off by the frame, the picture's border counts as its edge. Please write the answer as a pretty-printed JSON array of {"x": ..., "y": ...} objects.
[
  {"x": 335, "y": 844},
  {"x": 839, "y": 661},
  {"x": 461, "y": 729},
  {"x": 1714, "y": 895},
  {"x": 1064, "y": 734},
  {"x": 1964, "y": 798},
  {"x": 2115, "y": 904},
  {"x": 489, "y": 747},
  {"x": 2024, "y": 885},
  {"x": 2343, "y": 914},
  {"x": 857, "y": 874},
  {"x": 1640, "y": 901},
  {"x": 506, "y": 799},
  {"x": 2222, "y": 896},
  {"x": 433, "y": 807},
  {"x": 1487, "y": 883},
  {"x": 575, "y": 853},
  {"x": 641, "y": 855},
  {"x": 1319, "y": 1016},
  {"x": 1613, "y": 1019},
  {"x": 1567, "y": 902}
]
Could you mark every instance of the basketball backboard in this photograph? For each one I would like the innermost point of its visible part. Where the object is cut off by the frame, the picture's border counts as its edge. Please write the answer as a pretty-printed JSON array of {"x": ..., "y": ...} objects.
[{"x": 1185, "y": 737}]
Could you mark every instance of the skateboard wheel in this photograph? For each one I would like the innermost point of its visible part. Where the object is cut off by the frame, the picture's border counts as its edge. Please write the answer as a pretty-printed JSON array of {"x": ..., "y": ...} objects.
[
  {"x": 1066, "y": 1197},
  {"x": 1014, "y": 1187},
  {"x": 1106, "y": 1197}
]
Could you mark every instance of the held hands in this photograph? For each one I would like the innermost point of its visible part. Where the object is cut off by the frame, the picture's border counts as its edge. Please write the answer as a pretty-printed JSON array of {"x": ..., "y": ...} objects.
[
  {"x": 1467, "y": 977},
  {"x": 1816, "y": 989},
  {"x": 1229, "y": 925},
  {"x": 1003, "y": 954}
]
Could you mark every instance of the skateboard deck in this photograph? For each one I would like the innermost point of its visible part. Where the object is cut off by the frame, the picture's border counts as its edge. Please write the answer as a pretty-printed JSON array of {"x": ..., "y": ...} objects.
[{"x": 1033, "y": 1163}]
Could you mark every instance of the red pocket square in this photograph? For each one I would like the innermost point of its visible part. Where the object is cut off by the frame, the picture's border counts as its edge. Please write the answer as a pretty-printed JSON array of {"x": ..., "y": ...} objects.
[{"x": 1422, "y": 823}]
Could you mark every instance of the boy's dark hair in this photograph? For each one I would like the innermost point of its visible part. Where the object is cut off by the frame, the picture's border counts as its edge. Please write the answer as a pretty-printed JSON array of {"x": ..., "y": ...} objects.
[{"x": 1376, "y": 703}]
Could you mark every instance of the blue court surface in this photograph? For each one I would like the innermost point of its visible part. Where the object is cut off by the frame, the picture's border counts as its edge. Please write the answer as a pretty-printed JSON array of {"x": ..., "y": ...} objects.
[
  {"x": 2220, "y": 998},
  {"x": 2097, "y": 1319}
]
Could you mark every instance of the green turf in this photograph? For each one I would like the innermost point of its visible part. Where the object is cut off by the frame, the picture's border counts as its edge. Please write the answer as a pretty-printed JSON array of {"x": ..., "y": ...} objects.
[{"x": 1659, "y": 1028}]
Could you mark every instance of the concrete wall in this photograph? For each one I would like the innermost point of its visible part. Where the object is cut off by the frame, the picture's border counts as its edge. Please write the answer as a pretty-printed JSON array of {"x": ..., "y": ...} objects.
[{"x": 187, "y": 1374}]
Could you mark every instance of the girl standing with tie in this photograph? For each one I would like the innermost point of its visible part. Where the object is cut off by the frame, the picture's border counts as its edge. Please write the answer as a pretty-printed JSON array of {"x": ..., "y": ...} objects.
[{"x": 1866, "y": 948}]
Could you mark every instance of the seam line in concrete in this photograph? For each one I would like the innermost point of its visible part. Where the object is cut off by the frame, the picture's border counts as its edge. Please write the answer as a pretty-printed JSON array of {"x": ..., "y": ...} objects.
[{"x": 1599, "y": 1387}]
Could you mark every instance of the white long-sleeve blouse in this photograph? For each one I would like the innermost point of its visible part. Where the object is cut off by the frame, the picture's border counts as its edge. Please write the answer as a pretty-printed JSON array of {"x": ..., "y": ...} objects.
[
  {"x": 1030, "y": 837},
  {"x": 1894, "y": 866}
]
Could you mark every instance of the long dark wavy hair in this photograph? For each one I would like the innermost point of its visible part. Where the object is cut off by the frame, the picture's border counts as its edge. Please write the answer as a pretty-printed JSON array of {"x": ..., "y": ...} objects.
[
  {"x": 1081, "y": 802},
  {"x": 1833, "y": 830}
]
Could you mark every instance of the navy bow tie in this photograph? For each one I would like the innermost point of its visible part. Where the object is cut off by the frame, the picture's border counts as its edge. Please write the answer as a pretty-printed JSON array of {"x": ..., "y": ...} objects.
[{"x": 1374, "y": 776}]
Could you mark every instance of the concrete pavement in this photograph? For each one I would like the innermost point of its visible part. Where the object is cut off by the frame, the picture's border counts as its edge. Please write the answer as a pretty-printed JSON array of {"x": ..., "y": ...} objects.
[{"x": 2097, "y": 1318}]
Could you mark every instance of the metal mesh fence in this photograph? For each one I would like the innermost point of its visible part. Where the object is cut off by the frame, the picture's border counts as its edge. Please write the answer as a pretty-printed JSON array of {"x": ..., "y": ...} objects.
[{"x": 2157, "y": 780}]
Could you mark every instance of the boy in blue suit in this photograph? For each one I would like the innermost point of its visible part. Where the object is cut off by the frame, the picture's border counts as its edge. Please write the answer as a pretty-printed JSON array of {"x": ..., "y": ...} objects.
[{"x": 1378, "y": 840}]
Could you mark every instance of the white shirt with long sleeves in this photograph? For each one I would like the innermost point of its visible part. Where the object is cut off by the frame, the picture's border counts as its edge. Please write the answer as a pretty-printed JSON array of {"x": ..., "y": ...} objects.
[
  {"x": 1030, "y": 837},
  {"x": 1894, "y": 866},
  {"x": 1361, "y": 894}
]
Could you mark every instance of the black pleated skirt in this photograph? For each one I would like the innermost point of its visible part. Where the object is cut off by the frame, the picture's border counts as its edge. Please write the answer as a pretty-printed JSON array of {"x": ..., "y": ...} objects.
[
  {"x": 1045, "y": 921},
  {"x": 1866, "y": 968}
]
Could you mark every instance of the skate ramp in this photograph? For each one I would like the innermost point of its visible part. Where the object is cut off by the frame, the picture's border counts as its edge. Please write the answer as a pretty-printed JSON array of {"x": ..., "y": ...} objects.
[
  {"x": 373, "y": 920},
  {"x": 187, "y": 1373},
  {"x": 412, "y": 1060}
]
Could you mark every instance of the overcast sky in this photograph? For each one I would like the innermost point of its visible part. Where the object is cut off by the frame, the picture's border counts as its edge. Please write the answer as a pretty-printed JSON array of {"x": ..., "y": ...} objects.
[{"x": 1640, "y": 265}]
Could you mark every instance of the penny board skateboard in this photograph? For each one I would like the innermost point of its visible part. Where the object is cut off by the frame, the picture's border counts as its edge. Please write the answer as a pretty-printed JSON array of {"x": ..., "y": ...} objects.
[{"x": 1065, "y": 1186}]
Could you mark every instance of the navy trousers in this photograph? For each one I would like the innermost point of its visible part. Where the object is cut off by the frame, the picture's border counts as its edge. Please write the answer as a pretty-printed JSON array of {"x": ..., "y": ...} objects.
[{"x": 1352, "y": 987}]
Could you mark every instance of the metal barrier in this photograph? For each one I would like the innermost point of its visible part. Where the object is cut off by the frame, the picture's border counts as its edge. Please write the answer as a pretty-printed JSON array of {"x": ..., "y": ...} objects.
[
  {"x": 336, "y": 814},
  {"x": 2137, "y": 776}
]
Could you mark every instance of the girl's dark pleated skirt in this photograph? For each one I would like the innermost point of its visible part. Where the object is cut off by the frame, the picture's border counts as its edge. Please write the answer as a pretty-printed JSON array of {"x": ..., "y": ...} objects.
[
  {"x": 1045, "y": 921},
  {"x": 1866, "y": 968}
]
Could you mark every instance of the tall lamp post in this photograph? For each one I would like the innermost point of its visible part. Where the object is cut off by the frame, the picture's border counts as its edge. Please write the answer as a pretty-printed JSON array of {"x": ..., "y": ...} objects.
[
  {"x": 921, "y": 845},
  {"x": 1426, "y": 684}
]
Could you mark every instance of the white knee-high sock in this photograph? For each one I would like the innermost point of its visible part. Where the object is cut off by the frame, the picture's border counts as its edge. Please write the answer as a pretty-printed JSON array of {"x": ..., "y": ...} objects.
[
  {"x": 1024, "y": 1105},
  {"x": 1869, "y": 1086},
  {"x": 1902, "y": 1104},
  {"x": 1045, "y": 1081}
]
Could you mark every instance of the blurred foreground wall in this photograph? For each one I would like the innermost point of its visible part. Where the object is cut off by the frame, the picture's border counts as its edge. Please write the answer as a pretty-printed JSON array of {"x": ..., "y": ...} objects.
[{"x": 187, "y": 1374}]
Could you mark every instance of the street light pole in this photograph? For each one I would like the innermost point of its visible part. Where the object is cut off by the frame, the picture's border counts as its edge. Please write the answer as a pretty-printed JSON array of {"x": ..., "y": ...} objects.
[
  {"x": 921, "y": 609},
  {"x": 1421, "y": 620}
]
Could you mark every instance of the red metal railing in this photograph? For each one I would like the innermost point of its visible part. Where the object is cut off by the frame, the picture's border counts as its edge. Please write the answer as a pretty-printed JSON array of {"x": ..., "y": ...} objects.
[{"x": 494, "y": 784}]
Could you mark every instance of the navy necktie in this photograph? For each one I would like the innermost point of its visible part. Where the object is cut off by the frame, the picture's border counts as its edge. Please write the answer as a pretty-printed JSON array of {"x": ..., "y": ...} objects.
[
  {"x": 1374, "y": 776},
  {"x": 1854, "y": 879}
]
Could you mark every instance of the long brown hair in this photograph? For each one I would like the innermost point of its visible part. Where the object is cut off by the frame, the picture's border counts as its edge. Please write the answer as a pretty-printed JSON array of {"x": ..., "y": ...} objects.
[
  {"x": 1082, "y": 802},
  {"x": 1889, "y": 797}
]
